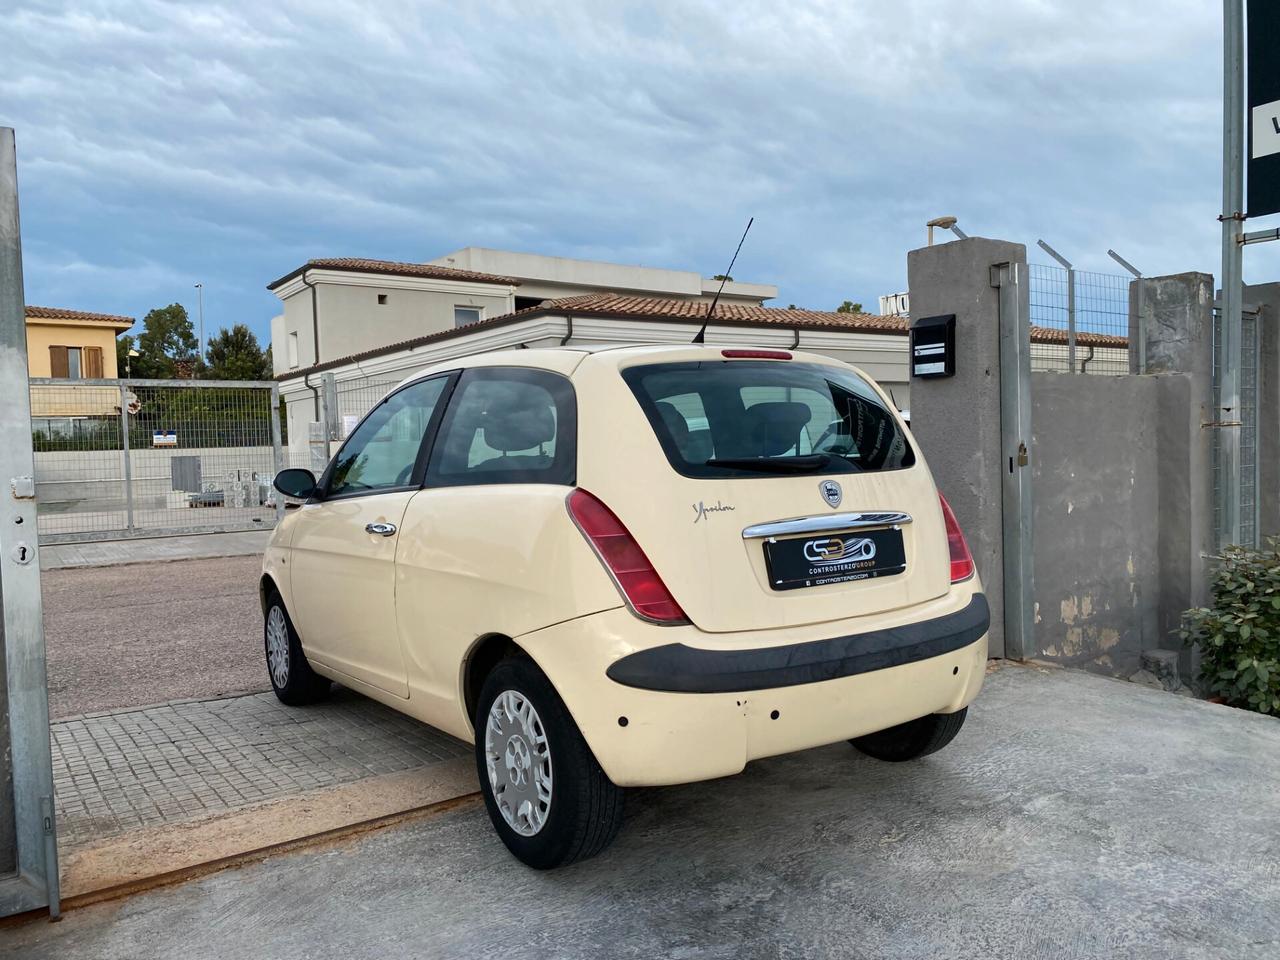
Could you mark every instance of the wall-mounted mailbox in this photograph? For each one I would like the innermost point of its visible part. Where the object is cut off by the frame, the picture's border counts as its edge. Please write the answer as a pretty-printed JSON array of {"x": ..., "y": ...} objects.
[{"x": 933, "y": 346}]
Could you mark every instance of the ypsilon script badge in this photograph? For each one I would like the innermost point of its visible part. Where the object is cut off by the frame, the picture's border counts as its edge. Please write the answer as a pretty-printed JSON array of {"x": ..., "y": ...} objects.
[{"x": 831, "y": 492}]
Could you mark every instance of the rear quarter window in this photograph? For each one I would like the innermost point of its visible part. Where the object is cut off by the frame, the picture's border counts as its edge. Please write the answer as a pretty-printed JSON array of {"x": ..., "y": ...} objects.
[
  {"x": 750, "y": 418},
  {"x": 507, "y": 425}
]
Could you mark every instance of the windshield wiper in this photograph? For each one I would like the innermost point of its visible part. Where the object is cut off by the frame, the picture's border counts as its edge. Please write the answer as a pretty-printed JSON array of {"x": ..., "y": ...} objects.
[{"x": 804, "y": 464}]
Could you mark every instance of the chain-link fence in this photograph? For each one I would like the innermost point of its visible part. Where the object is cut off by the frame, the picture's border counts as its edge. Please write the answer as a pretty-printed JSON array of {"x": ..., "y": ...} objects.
[
  {"x": 1096, "y": 305},
  {"x": 122, "y": 458}
]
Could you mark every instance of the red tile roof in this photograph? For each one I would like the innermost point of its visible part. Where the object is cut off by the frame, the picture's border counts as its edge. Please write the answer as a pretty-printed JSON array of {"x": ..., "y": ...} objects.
[
  {"x": 395, "y": 269},
  {"x": 608, "y": 305},
  {"x": 58, "y": 313},
  {"x": 660, "y": 308}
]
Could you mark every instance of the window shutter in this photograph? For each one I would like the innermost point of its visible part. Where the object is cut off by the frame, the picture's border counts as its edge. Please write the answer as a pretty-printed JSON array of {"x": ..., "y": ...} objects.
[
  {"x": 93, "y": 363},
  {"x": 58, "y": 362}
]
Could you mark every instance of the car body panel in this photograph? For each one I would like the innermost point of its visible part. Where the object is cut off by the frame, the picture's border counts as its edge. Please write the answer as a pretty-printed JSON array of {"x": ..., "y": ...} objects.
[
  {"x": 681, "y": 737},
  {"x": 480, "y": 560},
  {"x": 691, "y": 528},
  {"x": 342, "y": 584}
]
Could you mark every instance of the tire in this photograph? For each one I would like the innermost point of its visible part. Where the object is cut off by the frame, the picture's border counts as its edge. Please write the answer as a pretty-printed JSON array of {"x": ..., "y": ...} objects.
[
  {"x": 292, "y": 678},
  {"x": 913, "y": 739},
  {"x": 582, "y": 809}
]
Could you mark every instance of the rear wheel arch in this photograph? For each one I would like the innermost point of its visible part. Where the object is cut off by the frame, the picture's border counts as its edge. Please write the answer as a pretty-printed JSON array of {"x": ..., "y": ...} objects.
[{"x": 485, "y": 654}]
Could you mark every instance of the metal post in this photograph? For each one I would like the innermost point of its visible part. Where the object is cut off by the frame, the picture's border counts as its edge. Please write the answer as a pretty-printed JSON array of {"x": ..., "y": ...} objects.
[
  {"x": 1071, "y": 303},
  {"x": 200, "y": 309},
  {"x": 32, "y": 873},
  {"x": 1232, "y": 226},
  {"x": 124, "y": 453},
  {"x": 1142, "y": 330},
  {"x": 332, "y": 415},
  {"x": 277, "y": 452},
  {"x": 1015, "y": 462}
]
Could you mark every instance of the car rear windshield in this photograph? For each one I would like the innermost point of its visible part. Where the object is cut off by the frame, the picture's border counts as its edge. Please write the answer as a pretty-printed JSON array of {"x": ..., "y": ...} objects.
[{"x": 762, "y": 418}]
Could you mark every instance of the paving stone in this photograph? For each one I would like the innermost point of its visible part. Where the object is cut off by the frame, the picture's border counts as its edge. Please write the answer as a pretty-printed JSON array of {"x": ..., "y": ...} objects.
[{"x": 176, "y": 761}]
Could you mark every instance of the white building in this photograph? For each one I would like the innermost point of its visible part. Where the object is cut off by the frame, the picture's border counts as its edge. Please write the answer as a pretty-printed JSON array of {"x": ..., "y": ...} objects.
[{"x": 352, "y": 328}]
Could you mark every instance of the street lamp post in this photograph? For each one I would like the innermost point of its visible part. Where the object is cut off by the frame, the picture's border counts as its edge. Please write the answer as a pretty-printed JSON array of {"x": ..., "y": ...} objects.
[{"x": 200, "y": 308}]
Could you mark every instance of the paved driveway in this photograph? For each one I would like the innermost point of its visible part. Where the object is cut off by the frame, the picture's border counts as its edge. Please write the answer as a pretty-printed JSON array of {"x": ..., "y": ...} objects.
[
  {"x": 1074, "y": 817},
  {"x": 124, "y": 636}
]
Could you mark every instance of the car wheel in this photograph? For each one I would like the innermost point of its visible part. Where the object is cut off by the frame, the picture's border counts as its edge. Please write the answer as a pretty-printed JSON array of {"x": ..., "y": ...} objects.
[
  {"x": 292, "y": 678},
  {"x": 547, "y": 797},
  {"x": 915, "y": 738}
]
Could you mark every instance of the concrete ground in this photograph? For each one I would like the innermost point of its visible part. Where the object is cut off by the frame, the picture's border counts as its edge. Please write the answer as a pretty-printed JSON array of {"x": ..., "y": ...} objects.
[
  {"x": 1075, "y": 816},
  {"x": 128, "y": 635},
  {"x": 103, "y": 553}
]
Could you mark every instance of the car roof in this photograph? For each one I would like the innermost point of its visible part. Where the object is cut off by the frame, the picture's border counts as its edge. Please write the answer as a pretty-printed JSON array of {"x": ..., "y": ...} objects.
[{"x": 566, "y": 359}]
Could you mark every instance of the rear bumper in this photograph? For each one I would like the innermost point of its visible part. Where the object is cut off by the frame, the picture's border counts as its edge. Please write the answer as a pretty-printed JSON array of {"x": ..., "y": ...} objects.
[
  {"x": 677, "y": 668},
  {"x": 662, "y": 705}
]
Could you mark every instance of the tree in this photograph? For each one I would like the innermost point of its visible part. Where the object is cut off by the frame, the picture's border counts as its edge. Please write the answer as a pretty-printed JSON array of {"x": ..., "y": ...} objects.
[
  {"x": 849, "y": 307},
  {"x": 235, "y": 355},
  {"x": 723, "y": 276},
  {"x": 166, "y": 344}
]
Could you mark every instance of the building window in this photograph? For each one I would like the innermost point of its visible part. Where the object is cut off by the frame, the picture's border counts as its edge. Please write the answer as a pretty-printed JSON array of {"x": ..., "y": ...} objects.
[
  {"x": 75, "y": 363},
  {"x": 382, "y": 299},
  {"x": 465, "y": 315},
  {"x": 293, "y": 349}
]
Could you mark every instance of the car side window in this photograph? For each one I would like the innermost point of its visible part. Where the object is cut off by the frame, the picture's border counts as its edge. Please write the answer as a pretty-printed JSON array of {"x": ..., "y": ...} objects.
[
  {"x": 507, "y": 425},
  {"x": 382, "y": 451}
]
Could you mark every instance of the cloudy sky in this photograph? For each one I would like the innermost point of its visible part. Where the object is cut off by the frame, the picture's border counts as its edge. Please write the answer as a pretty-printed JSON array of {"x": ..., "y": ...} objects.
[{"x": 161, "y": 144}]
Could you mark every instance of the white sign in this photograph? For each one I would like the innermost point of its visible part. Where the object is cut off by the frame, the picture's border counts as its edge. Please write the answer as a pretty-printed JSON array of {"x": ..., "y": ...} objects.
[
  {"x": 164, "y": 438},
  {"x": 1266, "y": 129},
  {"x": 349, "y": 423}
]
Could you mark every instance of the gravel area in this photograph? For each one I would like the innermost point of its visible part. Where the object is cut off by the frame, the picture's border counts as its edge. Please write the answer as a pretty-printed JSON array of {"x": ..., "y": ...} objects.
[{"x": 147, "y": 633}]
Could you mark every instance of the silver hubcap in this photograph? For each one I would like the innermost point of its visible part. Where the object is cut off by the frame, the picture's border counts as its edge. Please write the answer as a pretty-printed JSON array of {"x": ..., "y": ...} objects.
[
  {"x": 518, "y": 759},
  {"x": 278, "y": 647}
]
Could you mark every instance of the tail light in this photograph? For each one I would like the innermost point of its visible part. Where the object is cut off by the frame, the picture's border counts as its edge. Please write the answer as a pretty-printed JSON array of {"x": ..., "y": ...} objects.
[
  {"x": 631, "y": 570},
  {"x": 961, "y": 558},
  {"x": 756, "y": 354}
]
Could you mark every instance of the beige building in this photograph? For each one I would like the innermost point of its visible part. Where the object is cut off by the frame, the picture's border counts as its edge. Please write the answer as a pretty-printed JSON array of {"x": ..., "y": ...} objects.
[{"x": 73, "y": 344}]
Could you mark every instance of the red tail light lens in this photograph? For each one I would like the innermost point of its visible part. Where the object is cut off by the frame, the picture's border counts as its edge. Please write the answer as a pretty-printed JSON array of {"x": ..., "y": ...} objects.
[
  {"x": 639, "y": 582},
  {"x": 961, "y": 558}
]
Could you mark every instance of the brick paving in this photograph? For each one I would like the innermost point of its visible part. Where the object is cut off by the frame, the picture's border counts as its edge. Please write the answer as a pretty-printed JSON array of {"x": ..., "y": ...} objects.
[{"x": 119, "y": 771}]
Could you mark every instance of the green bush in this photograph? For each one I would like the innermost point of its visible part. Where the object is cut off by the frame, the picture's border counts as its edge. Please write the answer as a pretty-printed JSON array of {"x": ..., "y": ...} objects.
[{"x": 1239, "y": 636}]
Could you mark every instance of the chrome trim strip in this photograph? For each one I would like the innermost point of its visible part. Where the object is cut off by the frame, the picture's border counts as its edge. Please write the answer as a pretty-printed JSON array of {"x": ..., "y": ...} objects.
[{"x": 826, "y": 524}]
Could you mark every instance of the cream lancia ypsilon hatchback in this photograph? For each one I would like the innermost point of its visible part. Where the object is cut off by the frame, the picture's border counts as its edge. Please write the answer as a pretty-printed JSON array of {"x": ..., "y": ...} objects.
[{"x": 632, "y": 566}]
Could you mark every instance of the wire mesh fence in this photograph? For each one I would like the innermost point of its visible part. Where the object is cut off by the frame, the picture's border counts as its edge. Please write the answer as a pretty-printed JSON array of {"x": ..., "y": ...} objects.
[
  {"x": 121, "y": 458},
  {"x": 1099, "y": 305}
]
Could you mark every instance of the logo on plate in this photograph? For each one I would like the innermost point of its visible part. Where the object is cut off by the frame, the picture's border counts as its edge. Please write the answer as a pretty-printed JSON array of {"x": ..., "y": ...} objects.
[
  {"x": 831, "y": 492},
  {"x": 835, "y": 550}
]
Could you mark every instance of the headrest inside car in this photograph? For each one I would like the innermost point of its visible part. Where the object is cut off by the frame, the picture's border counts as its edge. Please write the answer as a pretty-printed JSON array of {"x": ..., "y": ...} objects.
[
  {"x": 677, "y": 426},
  {"x": 774, "y": 428},
  {"x": 519, "y": 429}
]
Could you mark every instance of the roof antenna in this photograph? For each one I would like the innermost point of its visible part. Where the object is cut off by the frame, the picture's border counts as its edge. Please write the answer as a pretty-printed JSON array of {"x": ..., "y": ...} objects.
[{"x": 724, "y": 277}]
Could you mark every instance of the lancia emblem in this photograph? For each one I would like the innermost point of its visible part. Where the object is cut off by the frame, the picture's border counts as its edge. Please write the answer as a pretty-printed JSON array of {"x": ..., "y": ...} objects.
[{"x": 831, "y": 492}]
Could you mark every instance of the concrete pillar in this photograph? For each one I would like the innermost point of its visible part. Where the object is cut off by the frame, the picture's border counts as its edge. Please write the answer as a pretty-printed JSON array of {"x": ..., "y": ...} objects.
[
  {"x": 956, "y": 420},
  {"x": 1266, "y": 298},
  {"x": 1176, "y": 318}
]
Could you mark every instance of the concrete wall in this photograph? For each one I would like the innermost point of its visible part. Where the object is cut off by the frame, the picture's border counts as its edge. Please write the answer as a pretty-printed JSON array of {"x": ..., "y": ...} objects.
[
  {"x": 956, "y": 420},
  {"x": 72, "y": 476},
  {"x": 1096, "y": 469}
]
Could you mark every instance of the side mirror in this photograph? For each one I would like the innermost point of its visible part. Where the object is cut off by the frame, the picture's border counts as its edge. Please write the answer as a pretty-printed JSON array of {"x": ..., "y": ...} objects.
[{"x": 295, "y": 482}]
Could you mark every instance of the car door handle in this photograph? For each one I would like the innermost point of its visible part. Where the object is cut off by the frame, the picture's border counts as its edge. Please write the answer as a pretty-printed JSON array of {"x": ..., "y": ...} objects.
[{"x": 381, "y": 529}]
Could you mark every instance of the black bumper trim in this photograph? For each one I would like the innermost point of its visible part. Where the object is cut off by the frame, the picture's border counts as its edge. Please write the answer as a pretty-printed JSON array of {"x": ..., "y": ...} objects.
[{"x": 676, "y": 668}]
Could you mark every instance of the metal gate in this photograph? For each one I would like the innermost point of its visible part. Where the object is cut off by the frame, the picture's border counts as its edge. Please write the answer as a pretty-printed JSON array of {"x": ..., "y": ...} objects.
[{"x": 138, "y": 458}]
